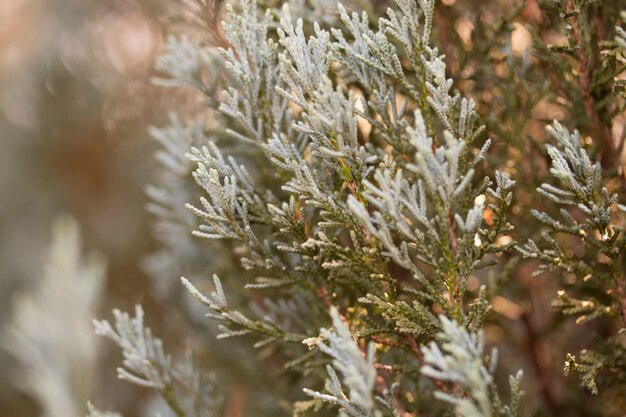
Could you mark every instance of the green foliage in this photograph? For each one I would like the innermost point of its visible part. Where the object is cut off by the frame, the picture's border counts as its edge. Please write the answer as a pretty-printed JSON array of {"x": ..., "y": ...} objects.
[
  {"x": 580, "y": 188},
  {"x": 184, "y": 387},
  {"x": 461, "y": 362},
  {"x": 59, "y": 371},
  {"x": 343, "y": 165},
  {"x": 358, "y": 372}
]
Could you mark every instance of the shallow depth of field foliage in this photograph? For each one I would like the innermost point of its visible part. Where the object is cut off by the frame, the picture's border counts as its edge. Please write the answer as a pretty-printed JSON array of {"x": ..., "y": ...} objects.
[{"x": 378, "y": 208}]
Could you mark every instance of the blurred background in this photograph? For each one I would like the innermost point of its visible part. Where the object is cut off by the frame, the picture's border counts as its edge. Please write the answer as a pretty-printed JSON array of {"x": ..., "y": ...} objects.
[{"x": 75, "y": 102}]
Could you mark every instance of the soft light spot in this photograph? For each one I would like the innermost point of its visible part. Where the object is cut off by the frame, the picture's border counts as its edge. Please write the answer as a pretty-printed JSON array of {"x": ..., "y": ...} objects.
[
  {"x": 488, "y": 216},
  {"x": 480, "y": 200},
  {"x": 506, "y": 307},
  {"x": 504, "y": 240},
  {"x": 464, "y": 27},
  {"x": 473, "y": 283},
  {"x": 130, "y": 41},
  {"x": 520, "y": 39}
]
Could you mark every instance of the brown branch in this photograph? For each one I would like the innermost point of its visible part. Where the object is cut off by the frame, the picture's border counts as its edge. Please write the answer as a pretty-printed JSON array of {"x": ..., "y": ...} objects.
[
  {"x": 410, "y": 342},
  {"x": 610, "y": 158},
  {"x": 322, "y": 293},
  {"x": 535, "y": 351},
  {"x": 418, "y": 355},
  {"x": 385, "y": 341},
  {"x": 383, "y": 367},
  {"x": 621, "y": 296},
  {"x": 237, "y": 399}
]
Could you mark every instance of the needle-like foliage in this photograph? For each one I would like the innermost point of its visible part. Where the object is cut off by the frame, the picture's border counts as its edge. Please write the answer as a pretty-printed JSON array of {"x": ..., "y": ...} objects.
[
  {"x": 55, "y": 350},
  {"x": 378, "y": 164}
]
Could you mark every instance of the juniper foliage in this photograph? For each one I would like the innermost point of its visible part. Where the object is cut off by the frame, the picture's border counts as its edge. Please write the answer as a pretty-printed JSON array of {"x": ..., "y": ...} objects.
[
  {"x": 56, "y": 353},
  {"x": 460, "y": 360},
  {"x": 186, "y": 389},
  {"x": 580, "y": 186},
  {"x": 345, "y": 181},
  {"x": 94, "y": 412}
]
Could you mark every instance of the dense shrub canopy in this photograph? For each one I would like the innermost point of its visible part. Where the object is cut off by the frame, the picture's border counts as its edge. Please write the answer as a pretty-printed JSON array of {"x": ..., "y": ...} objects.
[
  {"x": 402, "y": 209},
  {"x": 380, "y": 166}
]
